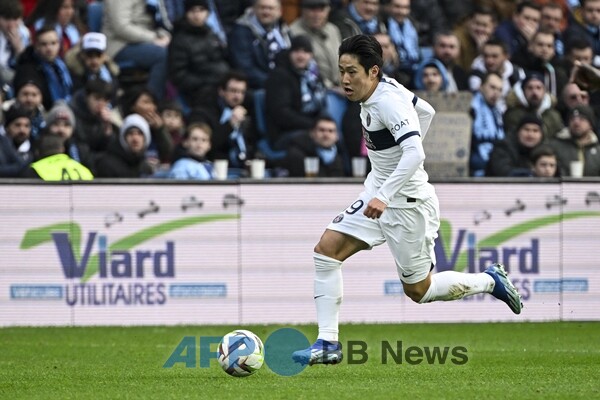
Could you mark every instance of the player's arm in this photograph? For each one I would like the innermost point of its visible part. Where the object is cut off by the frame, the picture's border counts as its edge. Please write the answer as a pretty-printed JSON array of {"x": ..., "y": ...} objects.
[
  {"x": 426, "y": 113},
  {"x": 404, "y": 123}
]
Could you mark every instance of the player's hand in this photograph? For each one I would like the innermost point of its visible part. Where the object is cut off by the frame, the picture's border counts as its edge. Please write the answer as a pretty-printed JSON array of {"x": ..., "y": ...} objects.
[{"x": 375, "y": 208}]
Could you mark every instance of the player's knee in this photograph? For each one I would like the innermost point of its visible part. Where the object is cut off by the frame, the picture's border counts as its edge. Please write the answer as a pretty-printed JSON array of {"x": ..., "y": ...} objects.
[{"x": 415, "y": 293}]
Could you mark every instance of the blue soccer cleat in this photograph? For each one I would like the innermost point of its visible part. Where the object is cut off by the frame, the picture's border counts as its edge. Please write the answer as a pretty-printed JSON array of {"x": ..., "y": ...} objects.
[
  {"x": 322, "y": 352},
  {"x": 503, "y": 289}
]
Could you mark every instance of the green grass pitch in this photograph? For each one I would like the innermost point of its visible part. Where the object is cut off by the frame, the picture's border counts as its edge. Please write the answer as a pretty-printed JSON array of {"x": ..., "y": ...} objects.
[{"x": 509, "y": 361}]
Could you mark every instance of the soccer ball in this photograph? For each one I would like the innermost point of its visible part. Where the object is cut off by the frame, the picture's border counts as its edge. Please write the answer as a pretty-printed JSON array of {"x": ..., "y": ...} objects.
[{"x": 241, "y": 353}]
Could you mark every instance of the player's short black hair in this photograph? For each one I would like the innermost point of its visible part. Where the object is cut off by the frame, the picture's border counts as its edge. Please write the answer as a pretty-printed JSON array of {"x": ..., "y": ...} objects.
[{"x": 366, "y": 49}]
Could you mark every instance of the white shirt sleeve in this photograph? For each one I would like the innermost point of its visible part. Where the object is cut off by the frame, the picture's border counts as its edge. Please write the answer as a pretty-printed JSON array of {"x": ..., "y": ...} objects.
[{"x": 405, "y": 121}]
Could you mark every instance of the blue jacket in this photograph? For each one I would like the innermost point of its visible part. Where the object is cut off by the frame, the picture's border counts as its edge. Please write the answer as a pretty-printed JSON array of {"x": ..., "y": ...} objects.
[{"x": 188, "y": 168}]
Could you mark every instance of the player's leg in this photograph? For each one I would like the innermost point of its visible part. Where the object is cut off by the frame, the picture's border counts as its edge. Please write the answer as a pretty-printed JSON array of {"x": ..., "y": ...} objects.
[
  {"x": 333, "y": 248},
  {"x": 415, "y": 256},
  {"x": 349, "y": 233}
]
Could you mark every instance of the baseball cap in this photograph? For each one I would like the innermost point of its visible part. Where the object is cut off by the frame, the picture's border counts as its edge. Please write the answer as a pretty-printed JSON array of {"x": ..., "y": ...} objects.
[{"x": 94, "y": 41}]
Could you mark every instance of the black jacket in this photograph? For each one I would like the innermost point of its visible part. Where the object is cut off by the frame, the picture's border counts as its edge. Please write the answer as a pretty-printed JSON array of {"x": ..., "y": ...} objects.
[
  {"x": 303, "y": 146},
  {"x": 284, "y": 100},
  {"x": 197, "y": 61},
  {"x": 117, "y": 162}
]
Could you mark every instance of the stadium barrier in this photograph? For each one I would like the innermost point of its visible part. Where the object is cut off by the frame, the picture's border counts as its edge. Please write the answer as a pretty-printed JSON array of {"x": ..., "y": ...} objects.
[{"x": 240, "y": 252}]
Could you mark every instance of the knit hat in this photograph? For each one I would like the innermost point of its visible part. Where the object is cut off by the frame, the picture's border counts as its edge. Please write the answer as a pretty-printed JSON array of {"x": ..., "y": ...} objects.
[
  {"x": 530, "y": 119},
  {"x": 134, "y": 121},
  {"x": 15, "y": 112},
  {"x": 301, "y": 42},
  {"x": 188, "y": 4},
  {"x": 586, "y": 112},
  {"x": 60, "y": 111},
  {"x": 315, "y": 3},
  {"x": 532, "y": 76},
  {"x": 23, "y": 79}
]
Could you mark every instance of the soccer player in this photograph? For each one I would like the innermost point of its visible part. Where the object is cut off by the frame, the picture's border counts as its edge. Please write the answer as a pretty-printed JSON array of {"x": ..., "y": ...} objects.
[{"x": 398, "y": 204}]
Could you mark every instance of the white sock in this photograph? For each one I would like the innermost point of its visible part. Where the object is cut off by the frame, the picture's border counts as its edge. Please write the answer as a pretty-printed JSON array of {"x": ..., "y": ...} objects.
[
  {"x": 328, "y": 295},
  {"x": 452, "y": 285}
]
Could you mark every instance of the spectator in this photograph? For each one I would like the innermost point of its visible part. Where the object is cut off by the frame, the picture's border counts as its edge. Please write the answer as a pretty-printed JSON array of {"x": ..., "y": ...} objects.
[
  {"x": 473, "y": 33},
  {"x": 579, "y": 142},
  {"x": 134, "y": 40},
  {"x": 235, "y": 135},
  {"x": 256, "y": 39},
  {"x": 43, "y": 63},
  {"x": 295, "y": 94},
  {"x": 320, "y": 141},
  {"x": 324, "y": 36},
  {"x": 125, "y": 156},
  {"x": 54, "y": 164},
  {"x": 61, "y": 122},
  {"x": 429, "y": 20},
  {"x": 576, "y": 49},
  {"x": 93, "y": 115},
  {"x": 61, "y": 15},
  {"x": 431, "y": 76},
  {"x": 172, "y": 114},
  {"x": 193, "y": 164},
  {"x": 28, "y": 91},
  {"x": 17, "y": 129},
  {"x": 487, "y": 127},
  {"x": 14, "y": 38},
  {"x": 512, "y": 156},
  {"x": 391, "y": 61},
  {"x": 494, "y": 58},
  {"x": 571, "y": 96},
  {"x": 446, "y": 49},
  {"x": 545, "y": 165},
  {"x": 197, "y": 59},
  {"x": 16, "y": 124},
  {"x": 588, "y": 27},
  {"x": 519, "y": 30},
  {"x": 359, "y": 16},
  {"x": 403, "y": 34},
  {"x": 88, "y": 61},
  {"x": 539, "y": 57},
  {"x": 553, "y": 20},
  {"x": 530, "y": 97},
  {"x": 142, "y": 102}
]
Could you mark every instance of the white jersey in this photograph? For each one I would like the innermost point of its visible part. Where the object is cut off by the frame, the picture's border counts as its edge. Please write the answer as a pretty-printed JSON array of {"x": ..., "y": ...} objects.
[{"x": 394, "y": 121}]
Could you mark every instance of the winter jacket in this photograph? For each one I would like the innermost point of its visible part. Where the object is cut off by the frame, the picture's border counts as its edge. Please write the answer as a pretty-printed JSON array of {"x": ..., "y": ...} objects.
[
  {"x": 197, "y": 61},
  {"x": 567, "y": 150},
  {"x": 284, "y": 101},
  {"x": 248, "y": 49},
  {"x": 517, "y": 107},
  {"x": 303, "y": 146},
  {"x": 118, "y": 162}
]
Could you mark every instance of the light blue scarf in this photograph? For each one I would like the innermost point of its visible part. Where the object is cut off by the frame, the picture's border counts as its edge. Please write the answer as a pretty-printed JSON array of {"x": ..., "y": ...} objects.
[{"x": 406, "y": 39}]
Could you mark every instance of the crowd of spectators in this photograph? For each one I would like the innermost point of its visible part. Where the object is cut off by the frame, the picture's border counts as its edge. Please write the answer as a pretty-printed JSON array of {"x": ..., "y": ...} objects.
[{"x": 162, "y": 88}]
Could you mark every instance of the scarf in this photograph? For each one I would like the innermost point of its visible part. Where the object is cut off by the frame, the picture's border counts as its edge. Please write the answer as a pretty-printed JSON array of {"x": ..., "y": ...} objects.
[
  {"x": 312, "y": 90},
  {"x": 59, "y": 81},
  {"x": 369, "y": 27},
  {"x": 406, "y": 39},
  {"x": 327, "y": 155},
  {"x": 214, "y": 23},
  {"x": 486, "y": 129},
  {"x": 237, "y": 143},
  {"x": 273, "y": 38},
  {"x": 158, "y": 11}
]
